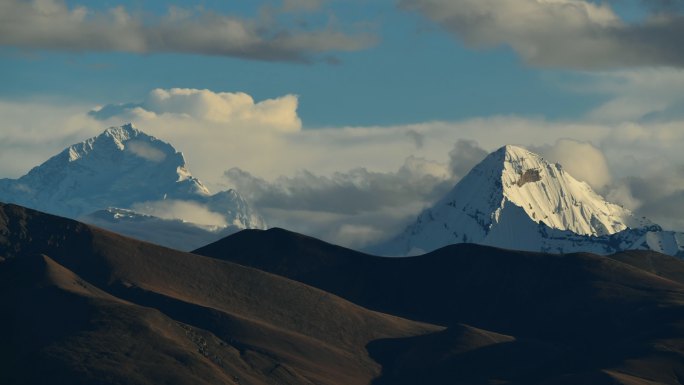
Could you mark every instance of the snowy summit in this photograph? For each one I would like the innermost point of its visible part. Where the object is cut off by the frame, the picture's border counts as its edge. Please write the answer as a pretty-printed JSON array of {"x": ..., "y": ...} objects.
[
  {"x": 516, "y": 199},
  {"x": 117, "y": 168},
  {"x": 124, "y": 169}
]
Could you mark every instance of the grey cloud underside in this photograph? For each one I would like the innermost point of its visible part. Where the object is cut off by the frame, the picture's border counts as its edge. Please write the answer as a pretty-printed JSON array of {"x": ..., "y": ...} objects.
[
  {"x": 383, "y": 201},
  {"x": 352, "y": 192},
  {"x": 54, "y": 26},
  {"x": 660, "y": 195},
  {"x": 360, "y": 190},
  {"x": 668, "y": 114},
  {"x": 112, "y": 110},
  {"x": 352, "y": 208},
  {"x": 654, "y": 43},
  {"x": 564, "y": 34},
  {"x": 464, "y": 156},
  {"x": 355, "y": 207}
]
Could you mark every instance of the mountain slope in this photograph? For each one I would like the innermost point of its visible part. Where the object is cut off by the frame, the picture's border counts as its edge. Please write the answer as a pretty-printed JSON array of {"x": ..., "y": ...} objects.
[
  {"x": 86, "y": 324},
  {"x": 423, "y": 287},
  {"x": 538, "y": 318},
  {"x": 515, "y": 199},
  {"x": 118, "y": 168},
  {"x": 124, "y": 168},
  {"x": 75, "y": 289}
]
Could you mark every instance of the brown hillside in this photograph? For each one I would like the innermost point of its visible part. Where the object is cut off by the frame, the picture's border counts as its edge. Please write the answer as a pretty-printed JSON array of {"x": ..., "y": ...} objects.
[
  {"x": 92, "y": 306},
  {"x": 579, "y": 316}
]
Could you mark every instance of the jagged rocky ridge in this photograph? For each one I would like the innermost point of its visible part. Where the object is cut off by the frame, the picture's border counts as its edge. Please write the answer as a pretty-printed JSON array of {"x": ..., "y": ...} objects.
[
  {"x": 102, "y": 180},
  {"x": 516, "y": 199}
]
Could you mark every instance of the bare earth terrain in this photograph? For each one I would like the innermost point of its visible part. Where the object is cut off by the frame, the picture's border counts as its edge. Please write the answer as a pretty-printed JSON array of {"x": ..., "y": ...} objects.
[{"x": 85, "y": 306}]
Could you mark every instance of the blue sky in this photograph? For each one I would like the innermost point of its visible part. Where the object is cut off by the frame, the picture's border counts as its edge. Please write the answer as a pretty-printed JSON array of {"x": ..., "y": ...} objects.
[
  {"x": 391, "y": 97},
  {"x": 416, "y": 72}
]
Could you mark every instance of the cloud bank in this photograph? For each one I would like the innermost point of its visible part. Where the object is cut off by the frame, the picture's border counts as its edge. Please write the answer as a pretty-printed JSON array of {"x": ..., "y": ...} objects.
[
  {"x": 214, "y": 130},
  {"x": 236, "y": 109},
  {"x": 54, "y": 25},
  {"x": 351, "y": 192},
  {"x": 358, "y": 206},
  {"x": 571, "y": 34},
  {"x": 354, "y": 185}
]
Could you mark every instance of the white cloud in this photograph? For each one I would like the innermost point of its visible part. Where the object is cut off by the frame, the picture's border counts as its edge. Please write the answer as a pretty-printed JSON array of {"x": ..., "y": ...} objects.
[
  {"x": 373, "y": 179},
  {"x": 215, "y": 130},
  {"x": 344, "y": 229},
  {"x": 358, "y": 206},
  {"x": 55, "y": 25},
  {"x": 232, "y": 108},
  {"x": 655, "y": 190},
  {"x": 622, "y": 194},
  {"x": 358, "y": 190},
  {"x": 32, "y": 132},
  {"x": 145, "y": 151},
  {"x": 219, "y": 130},
  {"x": 654, "y": 94},
  {"x": 358, "y": 235},
  {"x": 464, "y": 156},
  {"x": 582, "y": 160},
  {"x": 184, "y": 210},
  {"x": 561, "y": 33}
]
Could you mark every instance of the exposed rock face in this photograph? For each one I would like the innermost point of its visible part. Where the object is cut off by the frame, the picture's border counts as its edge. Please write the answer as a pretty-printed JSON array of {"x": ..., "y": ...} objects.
[{"x": 529, "y": 176}]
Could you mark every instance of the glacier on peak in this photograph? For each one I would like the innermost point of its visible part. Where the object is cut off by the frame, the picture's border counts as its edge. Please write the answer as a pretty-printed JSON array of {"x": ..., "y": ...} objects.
[
  {"x": 119, "y": 168},
  {"x": 545, "y": 191},
  {"x": 516, "y": 199}
]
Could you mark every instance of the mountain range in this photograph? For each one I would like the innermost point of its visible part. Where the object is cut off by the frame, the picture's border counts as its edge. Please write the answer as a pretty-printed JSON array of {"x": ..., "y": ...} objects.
[
  {"x": 86, "y": 306},
  {"x": 135, "y": 184}
]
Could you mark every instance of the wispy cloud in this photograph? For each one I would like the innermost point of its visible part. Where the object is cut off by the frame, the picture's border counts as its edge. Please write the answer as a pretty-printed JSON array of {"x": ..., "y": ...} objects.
[
  {"x": 145, "y": 151},
  {"x": 653, "y": 94},
  {"x": 573, "y": 34},
  {"x": 54, "y": 25},
  {"x": 182, "y": 210}
]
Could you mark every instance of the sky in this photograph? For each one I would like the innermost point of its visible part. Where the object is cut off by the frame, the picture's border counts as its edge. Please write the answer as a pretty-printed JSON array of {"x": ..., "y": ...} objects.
[{"x": 343, "y": 119}]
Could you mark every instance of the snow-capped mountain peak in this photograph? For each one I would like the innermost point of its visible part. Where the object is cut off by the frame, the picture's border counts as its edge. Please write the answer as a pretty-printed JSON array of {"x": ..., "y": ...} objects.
[
  {"x": 115, "y": 137},
  {"x": 132, "y": 148},
  {"x": 119, "y": 167},
  {"x": 514, "y": 198},
  {"x": 125, "y": 168},
  {"x": 548, "y": 194}
]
